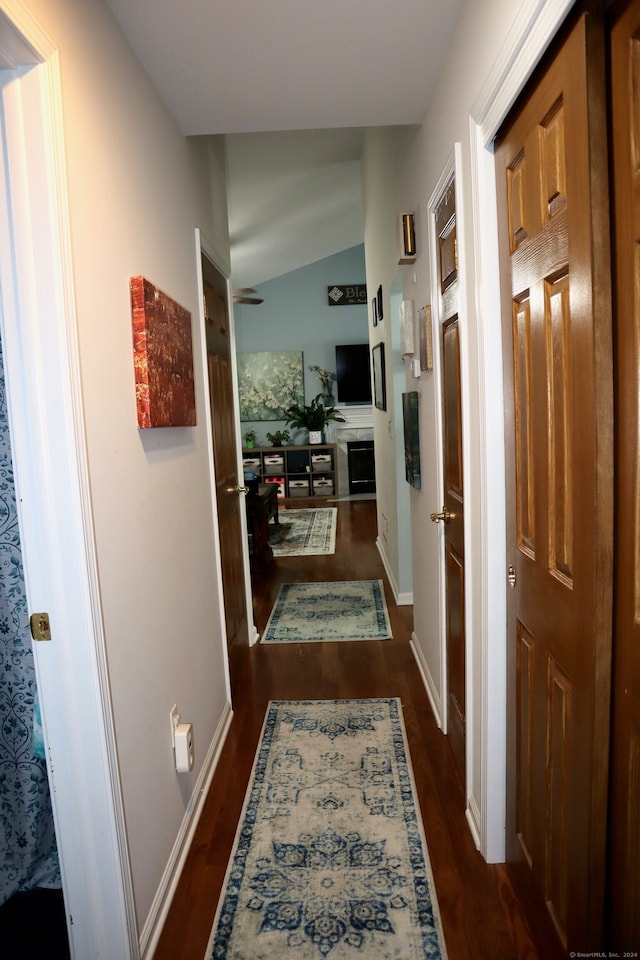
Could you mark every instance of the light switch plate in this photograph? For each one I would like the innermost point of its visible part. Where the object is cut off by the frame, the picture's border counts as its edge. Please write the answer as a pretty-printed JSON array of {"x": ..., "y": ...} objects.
[{"x": 174, "y": 717}]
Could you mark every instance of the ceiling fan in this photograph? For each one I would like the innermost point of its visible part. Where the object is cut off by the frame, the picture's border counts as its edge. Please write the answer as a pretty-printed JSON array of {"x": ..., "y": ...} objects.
[{"x": 246, "y": 295}]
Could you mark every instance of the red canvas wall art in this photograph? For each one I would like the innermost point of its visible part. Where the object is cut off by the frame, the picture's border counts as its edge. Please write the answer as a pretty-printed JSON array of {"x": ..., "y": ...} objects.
[{"x": 163, "y": 358}]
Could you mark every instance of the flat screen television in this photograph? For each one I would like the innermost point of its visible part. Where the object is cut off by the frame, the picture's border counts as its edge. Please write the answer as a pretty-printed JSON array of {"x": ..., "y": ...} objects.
[{"x": 353, "y": 373}]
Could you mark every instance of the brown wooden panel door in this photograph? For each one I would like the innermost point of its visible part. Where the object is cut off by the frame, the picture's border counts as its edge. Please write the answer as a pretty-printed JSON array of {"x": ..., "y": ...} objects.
[
  {"x": 553, "y": 220},
  {"x": 624, "y": 818},
  {"x": 454, "y": 541},
  {"x": 229, "y": 501}
]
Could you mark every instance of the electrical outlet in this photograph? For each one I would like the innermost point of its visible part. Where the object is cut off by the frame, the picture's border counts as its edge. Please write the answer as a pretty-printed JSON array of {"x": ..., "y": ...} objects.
[{"x": 174, "y": 717}]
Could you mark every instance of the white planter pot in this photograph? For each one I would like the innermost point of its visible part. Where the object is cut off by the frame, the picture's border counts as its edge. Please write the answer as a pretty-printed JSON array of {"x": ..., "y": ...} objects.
[{"x": 315, "y": 436}]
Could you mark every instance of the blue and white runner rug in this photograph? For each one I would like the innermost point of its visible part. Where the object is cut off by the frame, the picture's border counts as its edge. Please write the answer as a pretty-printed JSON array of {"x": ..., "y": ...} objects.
[
  {"x": 304, "y": 533},
  {"x": 330, "y": 859},
  {"x": 332, "y": 610}
]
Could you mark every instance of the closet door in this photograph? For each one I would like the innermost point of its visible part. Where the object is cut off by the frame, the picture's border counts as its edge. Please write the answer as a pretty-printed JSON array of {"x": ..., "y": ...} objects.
[{"x": 553, "y": 218}]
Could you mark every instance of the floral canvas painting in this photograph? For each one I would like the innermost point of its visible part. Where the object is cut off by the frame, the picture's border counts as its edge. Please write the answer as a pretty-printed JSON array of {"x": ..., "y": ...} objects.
[
  {"x": 268, "y": 383},
  {"x": 163, "y": 358}
]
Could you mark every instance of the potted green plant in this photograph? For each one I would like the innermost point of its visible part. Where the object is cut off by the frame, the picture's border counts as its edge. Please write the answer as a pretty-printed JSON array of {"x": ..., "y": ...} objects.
[
  {"x": 249, "y": 439},
  {"x": 278, "y": 438},
  {"x": 313, "y": 417}
]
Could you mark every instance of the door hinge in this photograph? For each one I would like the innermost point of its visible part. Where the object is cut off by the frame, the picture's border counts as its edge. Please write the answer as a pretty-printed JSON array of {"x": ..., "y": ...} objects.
[{"x": 40, "y": 626}]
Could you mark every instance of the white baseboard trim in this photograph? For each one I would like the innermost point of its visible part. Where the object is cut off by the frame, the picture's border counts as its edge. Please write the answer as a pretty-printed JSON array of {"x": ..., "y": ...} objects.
[
  {"x": 162, "y": 900},
  {"x": 387, "y": 568},
  {"x": 427, "y": 679},
  {"x": 402, "y": 599},
  {"x": 472, "y": 815}
]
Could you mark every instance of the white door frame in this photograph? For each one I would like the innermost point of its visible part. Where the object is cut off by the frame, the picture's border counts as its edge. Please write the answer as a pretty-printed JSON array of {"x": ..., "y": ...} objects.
[
  {"x": 446, "y": 176},
  {"x": 44, "y": 396},
  {"x": 451, "y": 175}
]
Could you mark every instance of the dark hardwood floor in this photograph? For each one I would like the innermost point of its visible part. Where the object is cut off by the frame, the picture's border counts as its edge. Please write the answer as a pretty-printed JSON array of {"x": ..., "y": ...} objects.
[{"x": 481, "y": 915}]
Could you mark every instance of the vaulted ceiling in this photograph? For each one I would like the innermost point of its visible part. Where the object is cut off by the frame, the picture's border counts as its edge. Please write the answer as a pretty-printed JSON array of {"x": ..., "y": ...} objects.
[{"x": 296, "y": 67}]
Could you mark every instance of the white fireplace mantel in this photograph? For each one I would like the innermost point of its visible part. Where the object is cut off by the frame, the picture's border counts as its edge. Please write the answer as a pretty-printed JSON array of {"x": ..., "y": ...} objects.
[
  {"x": 358, "y": 425},
  {"x": 357, "y": 417}
]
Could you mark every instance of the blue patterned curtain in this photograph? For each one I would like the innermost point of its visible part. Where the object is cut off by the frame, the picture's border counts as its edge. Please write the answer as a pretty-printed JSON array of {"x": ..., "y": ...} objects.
[{"x": 28, "y": 852}]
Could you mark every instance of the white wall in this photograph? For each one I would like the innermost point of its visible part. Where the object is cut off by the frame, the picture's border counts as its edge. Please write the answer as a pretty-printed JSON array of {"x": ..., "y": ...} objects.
[
  {"x": 295, "y": 315},
  {"x": 494, "y": 45},
  {"x": 383, "y": 157},
  {"x": 137, "y": 191}
]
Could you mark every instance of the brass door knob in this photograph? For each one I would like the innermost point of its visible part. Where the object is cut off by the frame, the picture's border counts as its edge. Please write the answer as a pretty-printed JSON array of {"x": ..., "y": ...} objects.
[
  {"x": 445, "y": 515},
  {"x": 238, "y": 489}
]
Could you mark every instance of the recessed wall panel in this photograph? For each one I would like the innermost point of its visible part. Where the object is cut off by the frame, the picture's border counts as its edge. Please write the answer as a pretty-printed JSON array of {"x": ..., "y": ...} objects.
[
  {"x": 524, "y": 732},
  {"x": 516, "y": 201},
  {"x": 525, "y": 453},
  {"x": 559, "y": 429},
  {"x": 554, "y": 189},
  {"x": 558, "y": 811}
]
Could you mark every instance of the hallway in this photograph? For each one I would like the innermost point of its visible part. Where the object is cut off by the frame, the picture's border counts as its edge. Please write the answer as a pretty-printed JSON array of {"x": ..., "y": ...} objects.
[{"x": 480, "y": 913}]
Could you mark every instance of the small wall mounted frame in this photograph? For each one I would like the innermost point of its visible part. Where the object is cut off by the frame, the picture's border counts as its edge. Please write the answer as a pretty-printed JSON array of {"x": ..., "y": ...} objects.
[
  {"x": 426, "y": 337},
  {"x": 346, "y": 295},
  {"x": 407, "y": 324},
  {"x": 379, "y": 377}
]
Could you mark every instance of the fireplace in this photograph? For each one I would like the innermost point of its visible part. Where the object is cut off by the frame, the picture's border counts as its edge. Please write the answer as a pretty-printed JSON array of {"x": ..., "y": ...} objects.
[
  {"x": 362, "y": 467},
  {"x": 357, "y": 425}
]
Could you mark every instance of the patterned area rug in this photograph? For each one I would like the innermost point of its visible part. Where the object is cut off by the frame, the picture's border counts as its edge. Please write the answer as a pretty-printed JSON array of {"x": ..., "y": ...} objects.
[
  {"x": 341, "y": 610},
  {"x": 330, "y": 859},
  {"x": 304, "y": 533}
]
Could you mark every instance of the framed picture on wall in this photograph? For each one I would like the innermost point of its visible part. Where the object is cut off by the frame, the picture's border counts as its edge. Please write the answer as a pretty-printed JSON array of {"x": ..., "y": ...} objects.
[
  {"x": 268, "y": 382},
  {"x": 163, "y": 358},
  {"x": 426, "y": 342},
  {"x": 411, "y": 439},
  {"x": 379, "y": 385}
]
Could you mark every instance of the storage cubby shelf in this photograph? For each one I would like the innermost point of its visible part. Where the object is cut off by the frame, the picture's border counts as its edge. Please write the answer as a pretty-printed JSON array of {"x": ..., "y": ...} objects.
[{"x": 299, "y": 471}]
